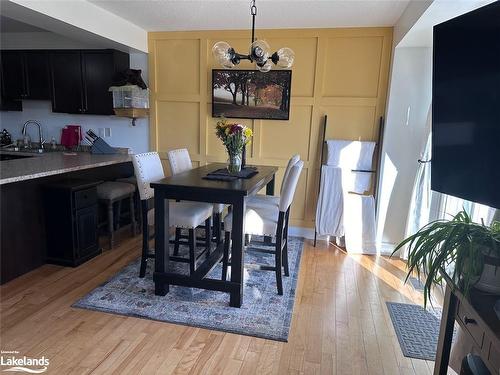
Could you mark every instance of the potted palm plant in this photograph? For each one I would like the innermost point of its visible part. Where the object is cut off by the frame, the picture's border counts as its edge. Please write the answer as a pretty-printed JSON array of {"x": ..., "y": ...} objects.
[{"x": 468, "y": 252}]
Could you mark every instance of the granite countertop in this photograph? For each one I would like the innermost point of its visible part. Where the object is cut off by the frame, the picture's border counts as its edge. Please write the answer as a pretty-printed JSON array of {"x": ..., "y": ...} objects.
[{"x": 52, "y": 163}]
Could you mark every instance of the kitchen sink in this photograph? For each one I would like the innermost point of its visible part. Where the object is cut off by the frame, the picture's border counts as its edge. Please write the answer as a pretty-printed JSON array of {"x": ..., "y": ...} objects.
[{"x": 13, "y": 157}]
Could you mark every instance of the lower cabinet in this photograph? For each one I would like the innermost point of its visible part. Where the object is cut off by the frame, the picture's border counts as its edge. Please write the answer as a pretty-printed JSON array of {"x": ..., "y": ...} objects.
[
  {"x": 71, "y": 222},
  {"x": 85, "y": 228}
]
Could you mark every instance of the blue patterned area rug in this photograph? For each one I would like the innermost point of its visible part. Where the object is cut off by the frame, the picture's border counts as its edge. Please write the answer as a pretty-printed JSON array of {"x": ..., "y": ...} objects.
[
  {"x": 417, "y": 329},
  {"x": 263, "y": 314}
]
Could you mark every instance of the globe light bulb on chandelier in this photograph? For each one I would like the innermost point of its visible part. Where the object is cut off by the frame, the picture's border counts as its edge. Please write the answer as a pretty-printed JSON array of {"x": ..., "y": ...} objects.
[{"x": 259, "y": 52}]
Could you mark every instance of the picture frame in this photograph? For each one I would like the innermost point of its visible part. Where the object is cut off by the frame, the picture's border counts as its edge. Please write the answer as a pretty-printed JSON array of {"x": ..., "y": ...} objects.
[{"x": 251, "y": 94}]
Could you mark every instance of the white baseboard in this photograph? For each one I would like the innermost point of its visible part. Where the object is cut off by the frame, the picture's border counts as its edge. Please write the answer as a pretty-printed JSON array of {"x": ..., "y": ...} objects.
[
  {"x": 305, "y": 233},
  {"x": 384, "y": 248}
]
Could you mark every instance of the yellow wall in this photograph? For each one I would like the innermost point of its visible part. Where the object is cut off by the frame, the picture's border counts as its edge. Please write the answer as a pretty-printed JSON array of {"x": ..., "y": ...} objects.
[{"x": 339, "y": 72}]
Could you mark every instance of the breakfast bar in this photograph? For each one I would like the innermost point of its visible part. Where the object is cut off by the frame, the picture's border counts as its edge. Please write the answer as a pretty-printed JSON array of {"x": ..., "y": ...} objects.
[{"x": 23, "y": 178}]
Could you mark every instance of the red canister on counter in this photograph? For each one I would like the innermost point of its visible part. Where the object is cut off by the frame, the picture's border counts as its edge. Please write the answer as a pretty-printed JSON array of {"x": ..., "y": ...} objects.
[{"x": 71, "y": 136}]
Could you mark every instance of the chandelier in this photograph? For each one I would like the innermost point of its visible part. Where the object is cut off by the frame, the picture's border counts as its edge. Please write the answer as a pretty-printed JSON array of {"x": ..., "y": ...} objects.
[{"x": 259, "y": 52}]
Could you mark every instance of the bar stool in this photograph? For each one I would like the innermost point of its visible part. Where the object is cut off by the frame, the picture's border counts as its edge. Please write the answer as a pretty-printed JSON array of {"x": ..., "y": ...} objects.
[
  {"x": 112, "y": 192},
  {"x": 132, "y": 180}
]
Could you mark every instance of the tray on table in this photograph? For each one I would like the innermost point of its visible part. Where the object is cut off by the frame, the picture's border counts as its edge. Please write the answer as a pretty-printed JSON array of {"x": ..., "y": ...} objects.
[{"x": 223, "y": 174}]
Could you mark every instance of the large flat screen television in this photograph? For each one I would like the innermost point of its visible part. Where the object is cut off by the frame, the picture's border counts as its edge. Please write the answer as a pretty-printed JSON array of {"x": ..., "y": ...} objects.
[
  {"x": 466, "y": 107},
  {"x": 251, "y": 94}
]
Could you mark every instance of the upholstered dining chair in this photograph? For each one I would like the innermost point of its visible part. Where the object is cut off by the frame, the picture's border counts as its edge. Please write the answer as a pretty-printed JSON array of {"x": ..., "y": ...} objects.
[
  {"x": 180, "y": 161},
  {"x": 260, "y": 200},
  {"x": 267, "y": 221},
  {"x": 188, "y": 215}
]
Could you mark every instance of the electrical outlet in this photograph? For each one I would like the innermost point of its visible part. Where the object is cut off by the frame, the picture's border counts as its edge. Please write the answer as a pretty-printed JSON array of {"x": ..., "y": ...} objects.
[
  {"x": 101, "y": 133},
  {"x": 107, "y": 132}
]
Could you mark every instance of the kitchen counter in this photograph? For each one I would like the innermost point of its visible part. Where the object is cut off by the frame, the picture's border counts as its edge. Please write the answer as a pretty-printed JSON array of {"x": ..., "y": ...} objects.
[
  {"x": 52, "y": 163},
  {"x": 24, "y": 202}
]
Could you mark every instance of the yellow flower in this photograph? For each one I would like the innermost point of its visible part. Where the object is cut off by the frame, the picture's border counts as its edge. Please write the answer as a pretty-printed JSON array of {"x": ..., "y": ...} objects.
[
  {"x": 228, "y": 128},
  {"x": 248, "y": 132}
]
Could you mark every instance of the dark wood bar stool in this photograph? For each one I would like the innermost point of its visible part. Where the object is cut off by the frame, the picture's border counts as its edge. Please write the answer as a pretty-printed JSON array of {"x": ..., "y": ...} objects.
[
  {"x": 137, "y": 200},
  {"x": 112, "y": 192}
]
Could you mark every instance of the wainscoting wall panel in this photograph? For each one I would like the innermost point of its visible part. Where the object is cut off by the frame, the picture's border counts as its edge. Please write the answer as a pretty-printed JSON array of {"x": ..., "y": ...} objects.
[{"x": 342, "y": 73}]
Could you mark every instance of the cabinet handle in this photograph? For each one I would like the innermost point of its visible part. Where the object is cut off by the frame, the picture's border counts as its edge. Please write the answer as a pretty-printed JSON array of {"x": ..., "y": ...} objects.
[{"x": 469, "y": 320}]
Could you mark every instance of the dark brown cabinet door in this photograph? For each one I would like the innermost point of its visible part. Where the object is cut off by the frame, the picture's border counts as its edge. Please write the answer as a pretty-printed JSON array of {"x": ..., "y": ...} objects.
[
  {"x": 66, "y": 82},
  {"x": 71, "y": 220},
  {"x": 36, "y": 64},
  {"x": 86, "y": 231},
  {"x": 13, "y": 79},
  {"x": 98, "y": 73}
]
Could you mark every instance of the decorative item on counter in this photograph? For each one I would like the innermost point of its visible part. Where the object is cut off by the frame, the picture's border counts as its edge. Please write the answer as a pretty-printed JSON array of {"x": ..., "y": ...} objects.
[
  {"x": 71, "y": 136},
  {"x": 5, "y": 138},
  {"x": 53, "y": 144},
  {"x": 99, "y": 146},
  {"x": 26, "y": 142},
  {"x": 234, "y": 137},
  {"x": 130, "y": 95}
]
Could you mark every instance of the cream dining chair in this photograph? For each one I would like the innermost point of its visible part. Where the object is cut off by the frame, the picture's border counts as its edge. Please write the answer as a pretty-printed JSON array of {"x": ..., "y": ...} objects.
[
  {"x": 260, "y": 200},
  {"x": 187, "y": 215},
  {"x": 268, "y": 221},
  {"x": 180, "y": 161}
]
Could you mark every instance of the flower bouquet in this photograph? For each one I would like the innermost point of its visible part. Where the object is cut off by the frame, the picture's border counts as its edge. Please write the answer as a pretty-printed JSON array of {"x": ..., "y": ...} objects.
[{"x": 234, "y": 137}]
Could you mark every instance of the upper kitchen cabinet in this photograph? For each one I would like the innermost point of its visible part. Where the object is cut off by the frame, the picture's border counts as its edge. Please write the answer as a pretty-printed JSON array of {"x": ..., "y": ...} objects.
[
  {"x": 66, "y": 81},
  {"x": 7, "y": 104},
  {"x": 13, "y": 80},
  {"x": 36, "y": 67},
  {"x": 80, "y": 80},
  {"x": 25, "y": 75}
]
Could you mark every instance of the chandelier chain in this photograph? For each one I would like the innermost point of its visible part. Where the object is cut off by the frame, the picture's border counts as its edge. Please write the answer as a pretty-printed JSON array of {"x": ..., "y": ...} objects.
[{"x": 253, "y": 12}]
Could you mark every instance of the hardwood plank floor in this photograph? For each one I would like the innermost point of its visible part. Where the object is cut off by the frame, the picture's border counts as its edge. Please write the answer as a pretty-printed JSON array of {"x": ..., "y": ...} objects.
[{"x": 340, "y": 323}]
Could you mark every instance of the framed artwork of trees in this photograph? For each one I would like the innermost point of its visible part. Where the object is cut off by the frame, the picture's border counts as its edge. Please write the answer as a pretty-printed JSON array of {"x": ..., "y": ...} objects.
[{"x": 251, "y": 94}]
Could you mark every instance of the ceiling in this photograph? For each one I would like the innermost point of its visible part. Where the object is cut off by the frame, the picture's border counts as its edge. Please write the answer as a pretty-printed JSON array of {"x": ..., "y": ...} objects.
[
  {"x": 420, "y": 35},
  {"x": 176, "y": 15},
  {"x": 9, "y": 25}
]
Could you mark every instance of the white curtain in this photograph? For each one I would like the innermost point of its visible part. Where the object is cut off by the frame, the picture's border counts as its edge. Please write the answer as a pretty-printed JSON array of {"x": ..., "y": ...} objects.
[
  {"x": 420, "y": 205},
  {"x": 419, "y": 213},
  {"x": 427, "y": 206}
]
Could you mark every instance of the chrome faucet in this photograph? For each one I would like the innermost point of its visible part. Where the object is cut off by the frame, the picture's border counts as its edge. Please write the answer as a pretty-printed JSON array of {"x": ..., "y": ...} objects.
[{"x": 40, "y": 136}]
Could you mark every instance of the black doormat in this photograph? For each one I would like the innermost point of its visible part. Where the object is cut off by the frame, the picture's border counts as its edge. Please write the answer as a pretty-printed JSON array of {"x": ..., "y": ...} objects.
[{"x": 417, "y": 329}]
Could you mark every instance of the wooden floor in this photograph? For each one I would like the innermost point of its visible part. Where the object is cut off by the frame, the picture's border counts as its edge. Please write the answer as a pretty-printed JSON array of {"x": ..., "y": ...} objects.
[{"x": 340, "y": 324}]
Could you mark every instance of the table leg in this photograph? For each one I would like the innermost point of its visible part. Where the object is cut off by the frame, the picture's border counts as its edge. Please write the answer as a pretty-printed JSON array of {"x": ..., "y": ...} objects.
[
  {"x": 270, "y": 191},
  {"x": 161, "y": 241},
  {"x": 445, "y": 333},
  {"x": 237, "y": 255}
]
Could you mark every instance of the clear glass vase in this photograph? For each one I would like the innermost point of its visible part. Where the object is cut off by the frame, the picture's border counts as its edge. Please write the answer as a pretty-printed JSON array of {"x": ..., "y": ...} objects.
[{"x": 234, "y": 163}]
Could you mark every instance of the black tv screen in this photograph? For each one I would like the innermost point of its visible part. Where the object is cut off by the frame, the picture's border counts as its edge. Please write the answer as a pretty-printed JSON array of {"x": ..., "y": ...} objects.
[
  {"x": 466, "y": 107},
  {"x": 251, "y": 94}
]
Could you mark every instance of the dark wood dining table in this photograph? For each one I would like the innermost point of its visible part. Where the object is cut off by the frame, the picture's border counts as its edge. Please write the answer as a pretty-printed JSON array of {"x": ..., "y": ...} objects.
[{"x": 191, "y": 186}]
